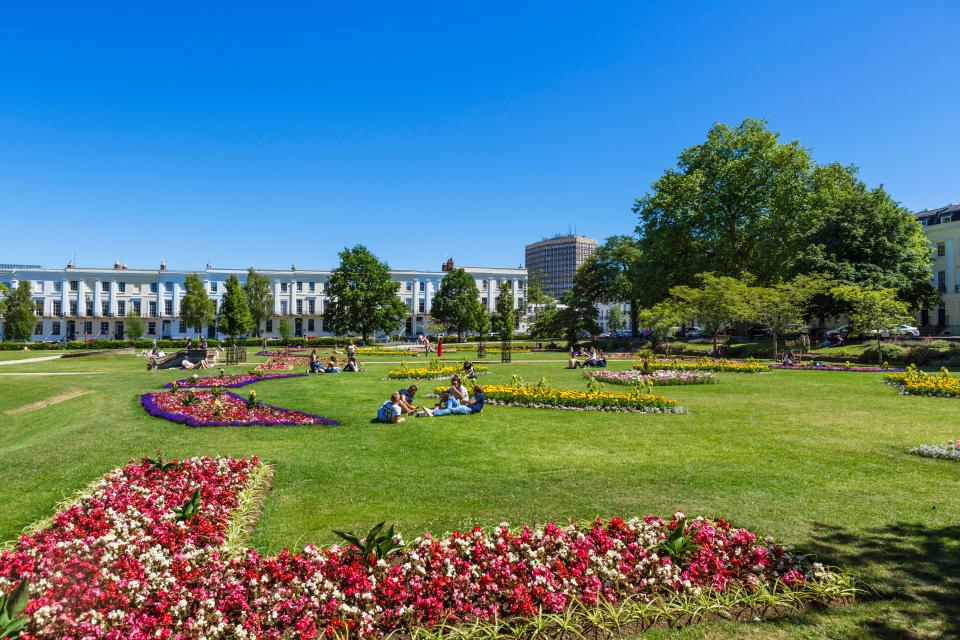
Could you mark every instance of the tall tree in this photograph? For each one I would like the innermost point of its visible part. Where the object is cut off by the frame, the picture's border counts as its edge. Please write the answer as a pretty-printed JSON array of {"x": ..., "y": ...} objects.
[
  {"x": 615, "y": 318},
  {"x": 20, "y": 312},
  {"x": 133, "y": 325},
  {"x": 362, "y": 296},
  {"x": 503, "y": 320},
  {"x": 577, "y": 315},
  {"x": 285, "y": 329},
  {"x": 196, "y": 307},
  {"x": 234, "y": 318},
  {"x": 738, "y": 199},
  {"x": 481, "y": 323},
  {"x": 873, "y": 311},
  {"x": 259, "y": 298},
  {"x": 661, "y": 319},
  {"x": 717, "y": 303},
  {"x": 455, "y": 304},
  {"x": 4, "y": 299},
  {"x": 783, "y": 306},
  {"x": 865, "y": 238},
  {"x": 613, "y": 274}
]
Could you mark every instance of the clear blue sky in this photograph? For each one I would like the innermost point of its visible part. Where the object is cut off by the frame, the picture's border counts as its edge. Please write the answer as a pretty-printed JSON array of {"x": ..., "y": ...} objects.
[{"x": 272, "y": 134}]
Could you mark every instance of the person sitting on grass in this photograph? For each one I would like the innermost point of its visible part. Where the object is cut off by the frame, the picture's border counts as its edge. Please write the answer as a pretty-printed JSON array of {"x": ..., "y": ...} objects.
[
  {"x": 457, "y": 390},
  {"x": 787, "y": 360},
  {"x": 454, "y": 407},
  {"x": 315, "y": 366},
  {"x": 468, "y": 371},
  {"x": 407, "y": 399},
  {"x": 332, "y": 366},
  {"x": 592, "y": 360},
  {"x": 186, "y": 364},
  {"x": 601, "y": 359},
  {"x": 391, "y": 411},
  {"x": 352, "y": 365}
]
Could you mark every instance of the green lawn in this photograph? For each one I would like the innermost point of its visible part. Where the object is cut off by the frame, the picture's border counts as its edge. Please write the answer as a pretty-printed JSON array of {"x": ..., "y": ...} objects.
[{"x": 816, "y": 459}]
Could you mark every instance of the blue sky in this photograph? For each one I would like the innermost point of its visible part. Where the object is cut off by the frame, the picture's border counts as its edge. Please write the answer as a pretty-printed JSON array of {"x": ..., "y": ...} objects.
[{"x": 272, "y": 134}]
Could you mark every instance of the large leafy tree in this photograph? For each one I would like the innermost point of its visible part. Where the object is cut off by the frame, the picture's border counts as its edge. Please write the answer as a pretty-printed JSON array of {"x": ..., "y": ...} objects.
[
  {"x": 863, "y": 237},
  {"x": 362, "y": 296},
  {"x": 259, "y": 298},
  {"x": 717, "y": 303},
  {"x": 196, "y": 307},
  {"x": 613, "y": 274},
  {"x": 503, "y": 320},
  {"x": 234, "y": 318},
  {"x": 783, "y": 306},
  {"x": 873, "y": 311},
  {"x": 737, "y": 200},
  {"x": 661, "y": 319},
  {"x": 455, "y": 304},
  {"x": 19, "y": 312},
  {"x": 133, "y": 325}
]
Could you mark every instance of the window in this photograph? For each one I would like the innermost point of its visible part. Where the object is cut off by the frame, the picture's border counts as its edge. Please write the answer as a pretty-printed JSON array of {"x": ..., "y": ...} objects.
[
  {"x": 38, "y": 286},
  {"x": 153, "y": 287},
  {"x": 55, "y": 328},
  {"x": 104, "y": 328},
  {"x": 946, "y": 219},
  {"x": 299, "y": 307},
  {"x": 283, "y": 287},
  {"x": 121, "y": 308},
  {"x": 57, "y": 286},
  {"x": 420, "y": 307},
  {"x": 74, "y": 285},
  {"x": 311, "y": 306},
  {"x": 153, "y": 308},
  {"x": 168, "y": 307},
  {"x": 57, "y": 308},
  {"x": 105, "y": 308},
  {"x": 136, "y": 308},
  {"x": 89, "y": 307},
  {"x": 942, "y": 281},
  {"x": 88, "y": 328},
  {"x": 183, "y": 327},
  {"x": 73, "y": 308},
  {"x": 313, "y": 287},
  {"x": 105, "y": 286},
  {"x": 409, "y": 285},
  {"x": 284, "y": 307},
  {"x": 213, "y": 286},
  {"x": 122, "y": 287},
  {"x": 423, "y": 286},
  {"x": 152, "y": 328},
  {"x": 38, "y": 329},
  {"x": 310, "y": 324},
  {"x": 270, "y": 325},
  {"x": 483, "y": 285},
  {"x": 39, "y": 307},
  {"x": 299, "y": 286},
  {"x": 483, "y": 301},
  {"x": 168, "y": 287},
  {"x": 941, "y": 249}
]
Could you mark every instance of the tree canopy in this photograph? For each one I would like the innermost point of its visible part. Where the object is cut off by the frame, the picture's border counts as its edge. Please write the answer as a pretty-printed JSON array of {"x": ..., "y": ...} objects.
[
  {"x": 133, "y": 325},
  {"x": 613, "y": 273},
  {"x": 362, "y": 298},
  {"x": 259, "y": 298},
  {"x": 196, "y": 307},
  {"x": 234, "y": 318},
  {"x": 456, "y": 302},
  {"x": 503, "y": 319},
  {"x": 873, "y": 311},
  {"x": 717, "y": 303},
  {"x": 20, "y": 312}
]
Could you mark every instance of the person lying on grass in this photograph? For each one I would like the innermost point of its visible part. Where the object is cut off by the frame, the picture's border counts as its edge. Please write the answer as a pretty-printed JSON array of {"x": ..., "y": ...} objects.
[
  {"x": 332, "y": 366},
  {"x": 186, "y": 364},
  {"x": 407, "y": 399},
  {"x": 455, "y": 407},
  {"x": 391, "y": 411}
]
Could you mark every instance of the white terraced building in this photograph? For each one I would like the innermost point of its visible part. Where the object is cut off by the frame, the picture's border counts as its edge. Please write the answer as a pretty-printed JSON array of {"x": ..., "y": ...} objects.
[{"x": 79, "y": 303}]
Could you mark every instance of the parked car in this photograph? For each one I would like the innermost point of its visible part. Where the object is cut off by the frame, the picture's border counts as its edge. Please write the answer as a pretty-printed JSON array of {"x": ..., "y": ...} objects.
[
  {"x": 901, "y": 330},
  {"x": 839, "y": 331},
  {"x": 759, "y": 332}
]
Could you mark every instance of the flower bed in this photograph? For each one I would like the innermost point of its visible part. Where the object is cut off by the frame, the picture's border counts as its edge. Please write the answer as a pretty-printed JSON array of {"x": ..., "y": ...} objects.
[
  {"x": 206, "y": 409},
  {"x": 819, "y": 366},
  {"x": 432, "y": 372},
  {"x": 130, "y": 558},
  {"x": 546, "y": 398},
  {"x": 229, "y": 382},
  {"x": 918, "y": 383},
  {"x": 660, "y": 378},
  {"x": 282, "y": 363},
  {"x": 949, "y": 451},
  {"x": 705, "y": 364}
]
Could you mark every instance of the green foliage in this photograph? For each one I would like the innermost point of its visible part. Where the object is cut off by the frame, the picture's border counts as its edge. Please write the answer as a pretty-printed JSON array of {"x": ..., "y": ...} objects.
[
  {"x": 4, "y": 299},
  {"x": 783, "y": 306},
  {"x": 481, "y": 323},
  {"x": 12, "y": 608},
  {"x": 661, "y": 319},
  {"x": 377, "y": 545},
  {"x": 133, "y": 325},
  {"x": 196, "y": 307},
  {"x": 717, "y": 303},
  {"x": 457, "y": 304},
  {"x": 159, "y": 464},
  {"x": 234, "y": 319},
  {"x": 613, "y": 274},
  {"x": 259, "y": 298},
  {"x": 189, "y": 508},
  {"x": 503, "y": 319},
  {"x": 20, "y": 312},
  {"x": 362, "y": 297},
  {"x": 872, "y": 311},
  {"x": 285, "y": 329},
  {"x": 615, "y": 318},
  {"x": 678, "y": 544}
]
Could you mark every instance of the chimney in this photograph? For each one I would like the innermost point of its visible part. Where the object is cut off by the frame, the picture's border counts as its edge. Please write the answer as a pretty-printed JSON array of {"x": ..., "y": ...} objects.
[
  {"x": 448, "y": 265},
  {"x": 163, "y": 264}
]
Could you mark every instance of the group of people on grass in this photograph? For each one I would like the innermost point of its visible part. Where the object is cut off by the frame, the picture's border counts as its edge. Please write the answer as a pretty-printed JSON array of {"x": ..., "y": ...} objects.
[
  {"x": 455, "y": 400},
  {"x": 316, "y": 365},
  {"x": 594, "y": 358}
]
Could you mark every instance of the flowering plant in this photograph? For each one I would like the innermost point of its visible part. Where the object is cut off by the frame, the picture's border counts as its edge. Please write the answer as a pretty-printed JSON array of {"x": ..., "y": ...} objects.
[
  {"x": 950, "y": 451},
  {"x": 703, "y": 364},
  {"x": 144, "y": 554},
  {"x": 540, "y": 397},
  {"x": 820, "y": 366},
  {"x": 658, "y": 378},
  {"x": 229, "y": 382},
  {"x": 918, "y": 383},
  {"x": 435, "y": 371},
  {"x": 203, "y": 409}
]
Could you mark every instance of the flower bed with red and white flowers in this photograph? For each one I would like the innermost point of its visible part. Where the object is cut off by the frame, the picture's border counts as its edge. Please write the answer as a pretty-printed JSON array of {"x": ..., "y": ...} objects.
[
  {"x": 207, "y": 409},
  {"x": 282, "y": 363},
  {"x": 125, "y": 560},
  {"x": 229, "y": 382}
]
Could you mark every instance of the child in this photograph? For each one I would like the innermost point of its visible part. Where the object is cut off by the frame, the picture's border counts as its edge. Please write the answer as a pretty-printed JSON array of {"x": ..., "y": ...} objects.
[
  {"x": 391, "y": 411},
  {"x": 468, "y": 371}
]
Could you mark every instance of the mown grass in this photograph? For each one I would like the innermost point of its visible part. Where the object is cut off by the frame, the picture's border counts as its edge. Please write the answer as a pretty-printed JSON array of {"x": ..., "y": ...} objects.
[{"x": 816, "y": 459}]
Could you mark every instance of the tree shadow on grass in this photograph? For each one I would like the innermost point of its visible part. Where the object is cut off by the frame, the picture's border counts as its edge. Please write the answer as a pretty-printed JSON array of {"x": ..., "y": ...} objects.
[{"x": 915, "y": 565}]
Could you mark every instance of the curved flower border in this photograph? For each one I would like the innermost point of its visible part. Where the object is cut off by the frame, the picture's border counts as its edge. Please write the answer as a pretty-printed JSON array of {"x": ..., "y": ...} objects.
[
  {"x": 148, "y": 403},
  {"x": 185, "y": 383},
  {"x": 832, "y": 367}
]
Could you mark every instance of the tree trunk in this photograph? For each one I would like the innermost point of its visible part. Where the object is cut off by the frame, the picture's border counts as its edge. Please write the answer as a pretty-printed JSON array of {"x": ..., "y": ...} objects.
[
  {"x": 879, "y": 350},
  {"x": 715, "y": 352},
  {"x": 634, "y": 319},
  {"x": 775, "y": 341}
]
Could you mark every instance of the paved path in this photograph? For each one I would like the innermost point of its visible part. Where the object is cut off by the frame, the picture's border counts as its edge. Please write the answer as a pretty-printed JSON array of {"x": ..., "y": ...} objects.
[{"x": 25, "y": 360}]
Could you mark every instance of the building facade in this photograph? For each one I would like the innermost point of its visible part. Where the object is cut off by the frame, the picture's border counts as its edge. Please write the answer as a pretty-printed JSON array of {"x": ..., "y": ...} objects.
[
  {"x": 92, "y": 303},
  {"x": 557, "y": 259},
  {"x": 942, "y": 228}
]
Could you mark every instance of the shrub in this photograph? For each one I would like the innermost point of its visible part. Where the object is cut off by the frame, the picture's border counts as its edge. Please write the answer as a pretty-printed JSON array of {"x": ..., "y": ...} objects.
[{"x": 889, "y": 353}]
